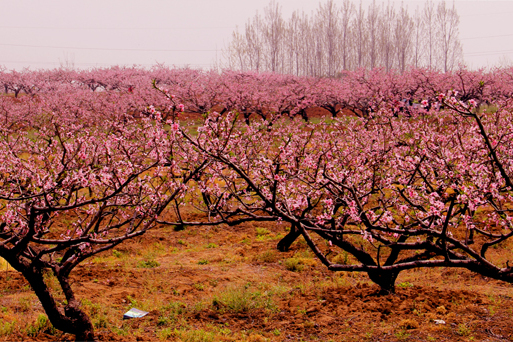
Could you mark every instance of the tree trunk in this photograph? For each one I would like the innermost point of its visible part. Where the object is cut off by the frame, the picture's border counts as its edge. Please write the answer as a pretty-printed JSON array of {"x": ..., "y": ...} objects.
[
  {"x": 385, "y": 280},
  {"x": 287, "y": 241},
  {"x": 74, "y": 320}
]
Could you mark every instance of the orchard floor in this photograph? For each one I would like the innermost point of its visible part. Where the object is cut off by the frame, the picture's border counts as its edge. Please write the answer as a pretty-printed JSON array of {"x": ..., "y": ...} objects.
[{"x": 231, "y": 284}]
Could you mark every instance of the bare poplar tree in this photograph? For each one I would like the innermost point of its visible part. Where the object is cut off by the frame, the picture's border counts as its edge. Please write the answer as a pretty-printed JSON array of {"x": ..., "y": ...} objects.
[
  {"x": 236, "y": 54},
  {"x": 418, "y": 39},
  {"x": 346, "y": 13},
  {"x": 273, "y": 29},
  {"x": 328, "y": 21},
  {"x": 403, "y": 38},
  {"x": 360, "y": 36},
  {"x": 254, "y": 43},
  {"x": 292, "y": 44},
  {"x": 447, "y": 20},
  {"x": 387, "y": 46},
  {"x": 429, "y": 27},
  {"x": 372, "y": 33}
]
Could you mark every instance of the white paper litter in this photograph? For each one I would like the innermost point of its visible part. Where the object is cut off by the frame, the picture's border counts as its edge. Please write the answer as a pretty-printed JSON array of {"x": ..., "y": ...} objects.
[{"x": 134, "y": 313}]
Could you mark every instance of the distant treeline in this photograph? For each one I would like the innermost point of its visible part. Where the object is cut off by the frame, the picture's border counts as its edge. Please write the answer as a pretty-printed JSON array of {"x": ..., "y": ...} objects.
[{"x": 343, "y": 35}]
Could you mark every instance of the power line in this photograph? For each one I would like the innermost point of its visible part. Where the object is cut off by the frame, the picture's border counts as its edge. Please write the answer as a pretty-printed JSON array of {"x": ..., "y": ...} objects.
[
  {"x": 483, "y": 37},
  {"x": 95, "y": 64},
  {"x": 107, "y": 49},
  {"x": 487, "y": 53},
  {"x": 483, "y": 14},
  {"x": 114, "y": 28}
]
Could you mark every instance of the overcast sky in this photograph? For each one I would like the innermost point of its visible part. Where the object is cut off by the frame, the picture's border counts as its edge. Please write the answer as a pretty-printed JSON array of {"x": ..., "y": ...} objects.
[{"x": 99, "y": 33}]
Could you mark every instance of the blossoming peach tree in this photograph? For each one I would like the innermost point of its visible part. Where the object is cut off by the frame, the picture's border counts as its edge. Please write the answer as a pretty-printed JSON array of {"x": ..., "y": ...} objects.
[
  {"x": 390, "y": 193},
  {"x": 71, "y": 188}
]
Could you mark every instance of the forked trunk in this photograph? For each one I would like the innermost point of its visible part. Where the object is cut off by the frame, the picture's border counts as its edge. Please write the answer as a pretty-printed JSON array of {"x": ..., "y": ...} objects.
[
  {"x": 73, "y": 320},
  {"x": 285, "y": 243},
  {"x": 385, "y": 280}
]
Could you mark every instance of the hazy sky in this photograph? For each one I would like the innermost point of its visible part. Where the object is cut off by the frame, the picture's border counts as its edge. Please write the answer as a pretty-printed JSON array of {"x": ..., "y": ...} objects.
[{"x": 47, "y": 34}]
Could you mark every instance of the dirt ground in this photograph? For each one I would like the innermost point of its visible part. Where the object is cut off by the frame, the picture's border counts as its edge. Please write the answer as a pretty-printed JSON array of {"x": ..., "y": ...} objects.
[{"x": 231, "y": 284}]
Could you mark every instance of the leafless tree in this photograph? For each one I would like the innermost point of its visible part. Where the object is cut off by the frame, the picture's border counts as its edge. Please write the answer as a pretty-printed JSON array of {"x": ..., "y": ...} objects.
[
  {"x": 235, "y": 54},
  {"x": 342, "y": 36},
  {"x": 346, "y": 13},
  {"x": 387, "y": 46},
  {"x": 429, "y": 27},
  {"x": 254, "y": 43},
  {"x": 447, "y": 21},
  {"x": 418, "y": 38},
  {"x": 329, "y": 23},
  {"x": 403, "y": 38},
  {"x": 360, "y": 36},
  {"x": 273, "y": 34},
  {"x": 372, "y": 32}
]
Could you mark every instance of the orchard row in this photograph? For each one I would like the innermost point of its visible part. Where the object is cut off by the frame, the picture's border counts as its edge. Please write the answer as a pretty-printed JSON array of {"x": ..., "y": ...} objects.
[
  {"x": 379, "y": 192},
  {"x": 362, "y": 92}
]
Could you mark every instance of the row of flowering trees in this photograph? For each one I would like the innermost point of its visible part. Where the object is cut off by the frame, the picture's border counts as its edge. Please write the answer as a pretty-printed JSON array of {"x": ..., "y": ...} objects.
[
  {"x": 391, "y": 189},
  {"x": 360, "y": 92}
]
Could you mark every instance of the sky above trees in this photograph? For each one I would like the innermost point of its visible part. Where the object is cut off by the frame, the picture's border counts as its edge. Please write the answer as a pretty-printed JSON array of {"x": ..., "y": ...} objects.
[{"x": 49, "y": 34}]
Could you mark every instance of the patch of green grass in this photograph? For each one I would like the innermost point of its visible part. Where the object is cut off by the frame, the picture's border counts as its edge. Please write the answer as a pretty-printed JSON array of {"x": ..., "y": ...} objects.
[
  {"x": 117, "y": 253},
  {"x": 97, "y": 313},
  {"x": 199, "y": 286},
  {"x": 173, "y": 310},
  {"x": 268, "y": 256},
  {"x": 402, "y": 335},
  {"x": 300, "y": 261},
  {"x": 405, "y": 284},
  {"x": 166, "y": 334},
  {"x": 341, "y": 259},
  {"x": 41, "y": 325},
  {"x": 7, "y": 328},
  {"x": 25, "y": 304},
  {"x": 200, "y": 335},
  {"x": 463, "y": 330},
  {"x": 243, "y": 299},
  {"x": 262, "y": 231},
  {"x": 293, "y": 264},
  {"x": 148, "y": 264}
]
